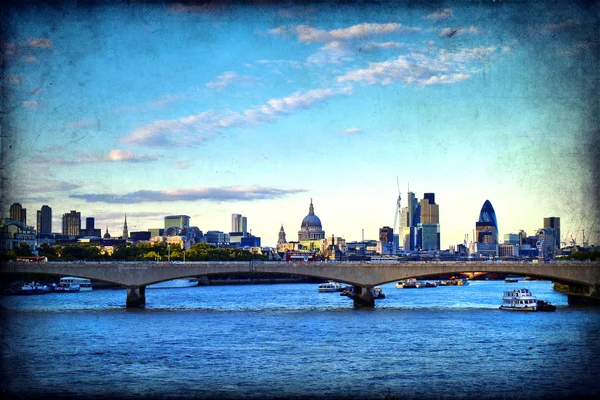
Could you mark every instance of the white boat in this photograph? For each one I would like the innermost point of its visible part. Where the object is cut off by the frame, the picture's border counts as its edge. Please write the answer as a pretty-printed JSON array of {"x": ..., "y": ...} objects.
[
  {"x": 85, "y": 285},
  {"x": 174, "y": 283},
  {"x": 519, "y": 300},
  {"x": 331, "y": 286}
]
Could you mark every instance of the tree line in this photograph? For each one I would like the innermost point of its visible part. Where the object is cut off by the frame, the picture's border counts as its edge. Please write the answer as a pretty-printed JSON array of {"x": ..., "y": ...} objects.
[{"x": 139, "y": 252}]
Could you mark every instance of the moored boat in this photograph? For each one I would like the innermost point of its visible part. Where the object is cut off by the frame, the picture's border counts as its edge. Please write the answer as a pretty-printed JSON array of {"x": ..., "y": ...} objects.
[
  {"x": 84, "y": 283},
  {"x": 519, "y": 300},
  {"x": 331, "y": 286},
  {"x": 408, "y": 284},
  {"x": 545, "y": 306}
]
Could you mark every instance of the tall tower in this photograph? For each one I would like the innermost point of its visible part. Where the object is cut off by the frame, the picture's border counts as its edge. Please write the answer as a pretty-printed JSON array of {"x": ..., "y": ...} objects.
[
  {"x": 281, "y": 236},
  {"x": 44, "y": 220},
  {"x": 125, "y": 231},
  {"x": 554, "y": 223},
  {"x": 236, "y": 223}
]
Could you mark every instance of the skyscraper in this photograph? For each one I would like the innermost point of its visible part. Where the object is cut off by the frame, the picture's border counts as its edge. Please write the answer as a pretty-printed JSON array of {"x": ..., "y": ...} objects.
[
  {"x": 71, "y": 223},
  {"x": 428, "y": 235},
  {"x": 487, "y": 222},
  {"x": 236, "y": 222},
  {"x": 554, "y": 223},
  {"x": 407, "y": 228},
  {"x": 44, "y": 220},
  {"x": 17, "y": 212}
]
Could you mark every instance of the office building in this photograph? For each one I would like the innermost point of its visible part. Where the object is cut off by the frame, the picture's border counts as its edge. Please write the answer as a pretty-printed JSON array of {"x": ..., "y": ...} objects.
[
  {"x": 239, "y": 223},
  {"x": 386, "y": 234},
  {"x": 177, "y": 221},
  {"x": 428, "y": 226},
  {"x": 409, "y": 218},
  {"x": 487, "y": 225},
  {"x": 554, "y": 224},
  {"x": 90, "y": 230},
  {"x": 18, "y": 213},
  {"x": 44, "y": 220},
  {"x": 71, "y": 223}
]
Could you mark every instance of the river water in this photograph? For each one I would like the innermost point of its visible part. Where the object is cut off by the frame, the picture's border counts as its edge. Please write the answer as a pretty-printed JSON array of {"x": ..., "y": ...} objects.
[{"x": 289, "y": 341}]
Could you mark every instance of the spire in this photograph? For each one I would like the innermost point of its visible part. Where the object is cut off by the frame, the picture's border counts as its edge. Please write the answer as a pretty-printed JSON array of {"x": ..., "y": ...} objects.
[
  {"x": 311, "y": 209},
  {"x": 125, "y": 231}
]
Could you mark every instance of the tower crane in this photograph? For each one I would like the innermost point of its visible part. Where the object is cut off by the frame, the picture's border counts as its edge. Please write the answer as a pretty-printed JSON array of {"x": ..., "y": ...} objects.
[{"x": 397, "y": 209}]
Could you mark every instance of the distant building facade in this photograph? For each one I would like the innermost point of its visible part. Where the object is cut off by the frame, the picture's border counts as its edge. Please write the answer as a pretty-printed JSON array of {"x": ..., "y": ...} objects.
[
  {"x": 18, "y": 213},
  {"x": 311, "y": 228},
  {"x": 44, "y": 220},
  {"x": 71, "y": 223},
  {"x": 554, "y": 224}
]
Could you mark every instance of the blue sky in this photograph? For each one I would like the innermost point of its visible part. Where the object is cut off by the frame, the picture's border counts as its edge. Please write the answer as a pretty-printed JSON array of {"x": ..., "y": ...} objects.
[{"x": 214, "y": 109}]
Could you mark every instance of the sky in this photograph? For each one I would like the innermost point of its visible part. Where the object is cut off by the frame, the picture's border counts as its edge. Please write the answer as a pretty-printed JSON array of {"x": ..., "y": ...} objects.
[{"x": 209, "y": 109}]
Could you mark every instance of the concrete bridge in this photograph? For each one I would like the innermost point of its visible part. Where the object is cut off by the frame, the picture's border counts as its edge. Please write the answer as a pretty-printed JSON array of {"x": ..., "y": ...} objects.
[{"x": 583, "y": 279}]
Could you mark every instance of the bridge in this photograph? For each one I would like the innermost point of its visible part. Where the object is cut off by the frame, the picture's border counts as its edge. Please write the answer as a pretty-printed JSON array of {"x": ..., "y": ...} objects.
[{"x": 582, "y": 278}]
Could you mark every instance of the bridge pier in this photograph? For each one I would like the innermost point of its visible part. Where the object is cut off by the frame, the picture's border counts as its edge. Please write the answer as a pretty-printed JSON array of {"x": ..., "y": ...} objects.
[
  {"x": 363, "y": 297},
  {"x": 136, "y": 296},
  {"x": 583, "y": 294}
]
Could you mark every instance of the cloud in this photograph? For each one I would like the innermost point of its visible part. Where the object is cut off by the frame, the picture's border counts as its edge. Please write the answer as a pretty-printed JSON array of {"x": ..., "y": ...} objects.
[
  {"x": 578, "y": 48},
  {"x": 31, "y": 104},
  {"x": 195, "y": 129},
  {"x": 308, "y": 34},
  {"x": 226, "y": 193},
  {"x": 12, "y": 79},
  {"x": 439, "y": 15},
  {"x": 86, "y": 158},
  {"x": 160, "y": 102},
  {"x": 421, "y": 69},
  {"x": 351, "y": 131},
  {"x": 40, "y": 43},
  {"x": 227, "y": 79},
  {"x": 570, "y": 23},
  {"x": 451, "y": 32},
  {"x": 376, "y": 46},
  {"x": 50, "y": 185}
]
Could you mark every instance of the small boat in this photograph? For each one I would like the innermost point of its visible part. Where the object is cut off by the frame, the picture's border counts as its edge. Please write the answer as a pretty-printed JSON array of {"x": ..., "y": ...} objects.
[
  {"x": 378, "y": 293},
  {"x": 428, "y": 284},
  {"x": 33, "y": 288},
  {"x": 174, "y": 283},
  {"x": 545, "y": 306},
  {"x": 462, "y": 282},
  {"x": 519, "y": 300},
  {"x": 70, "y": 288},
  {"x": 408, "y": 284},
  {"x": 331, "y": 286},
  {"x": 511, "y": 280}
]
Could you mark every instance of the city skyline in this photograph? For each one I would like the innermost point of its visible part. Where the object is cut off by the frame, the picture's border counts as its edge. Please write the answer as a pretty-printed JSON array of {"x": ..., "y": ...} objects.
[{"x": 207, "y": 110}]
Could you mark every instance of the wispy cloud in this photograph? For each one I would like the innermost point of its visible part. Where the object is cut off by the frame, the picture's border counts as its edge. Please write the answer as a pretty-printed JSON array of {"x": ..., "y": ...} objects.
[
  {"x": 439, "y": 15},
  {"x": 158, "y": 103},
  {"x": 87, "y": 158},
  {"x": 421, "y": 69},
  {"x": 40, "y": 43},
  {"x": 377, "y": 46},
  {"x": 570, "y": 23},
  {"x": 308, "y": 34},
  {"x": 195, "y": 129},
  {"x": 51, "y": 185},
  {"x": 351, "y": 131},
  {"x": 578, "y": 48},
  {"x": 218, "y": 194},
  {"x": 31, "y": 104},
  {"x": 227, "y": 79},
  {"x": 451, "y": 32}
]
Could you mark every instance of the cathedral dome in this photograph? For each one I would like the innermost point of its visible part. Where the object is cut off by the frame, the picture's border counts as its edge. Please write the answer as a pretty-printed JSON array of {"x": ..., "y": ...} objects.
[
  {"x": 311, "y": 220},
  {"x": 311, "y": 228}
]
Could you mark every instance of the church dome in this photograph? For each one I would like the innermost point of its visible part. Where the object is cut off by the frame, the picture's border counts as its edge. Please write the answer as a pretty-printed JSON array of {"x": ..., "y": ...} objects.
[{"x": 311, "y": 220}]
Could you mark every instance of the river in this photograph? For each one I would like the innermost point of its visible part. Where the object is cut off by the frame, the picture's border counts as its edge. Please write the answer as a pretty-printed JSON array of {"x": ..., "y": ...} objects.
[{"x": 289, "y": 341}]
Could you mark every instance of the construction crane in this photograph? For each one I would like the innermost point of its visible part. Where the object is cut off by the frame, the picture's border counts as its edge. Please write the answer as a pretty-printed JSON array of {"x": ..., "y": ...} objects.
[{"x": 397, "y": 205}]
